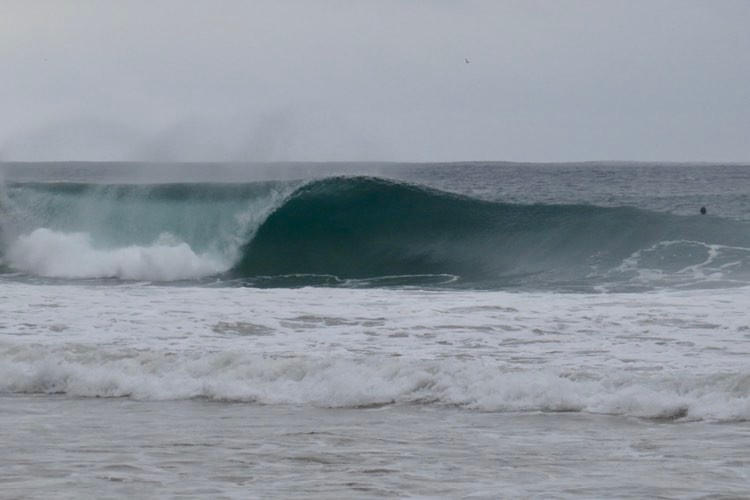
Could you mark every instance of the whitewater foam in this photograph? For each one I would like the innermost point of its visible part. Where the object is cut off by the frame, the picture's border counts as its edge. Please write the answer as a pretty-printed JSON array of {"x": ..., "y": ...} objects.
[
  {"x": 54, "y": 254},
  {"x": 143, "y": 232},
  {"x": 666, "y": 355},
  {"x": 336, "y": 382}
]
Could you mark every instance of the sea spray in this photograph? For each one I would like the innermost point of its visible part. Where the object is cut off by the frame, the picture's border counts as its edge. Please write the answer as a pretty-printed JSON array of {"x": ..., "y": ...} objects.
[{"x": 4, "y": 215}]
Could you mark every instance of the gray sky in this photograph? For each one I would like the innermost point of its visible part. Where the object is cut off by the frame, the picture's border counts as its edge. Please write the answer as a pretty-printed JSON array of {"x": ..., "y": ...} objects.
[{"x": 375, "y": 80}]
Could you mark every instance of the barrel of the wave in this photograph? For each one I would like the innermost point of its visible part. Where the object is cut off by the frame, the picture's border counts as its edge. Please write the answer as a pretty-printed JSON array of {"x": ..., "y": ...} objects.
[
  {"x": 362, "y": 227},
  {"x": 367, "y": 227}
]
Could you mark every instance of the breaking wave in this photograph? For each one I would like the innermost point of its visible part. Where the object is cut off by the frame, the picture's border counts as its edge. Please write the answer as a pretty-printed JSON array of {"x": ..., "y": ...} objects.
[{"x": 356, "y": 231}]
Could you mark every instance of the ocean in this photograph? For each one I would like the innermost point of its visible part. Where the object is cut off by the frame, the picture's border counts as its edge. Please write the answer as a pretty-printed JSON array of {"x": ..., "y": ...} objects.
[{"x": 363, "y": 330}]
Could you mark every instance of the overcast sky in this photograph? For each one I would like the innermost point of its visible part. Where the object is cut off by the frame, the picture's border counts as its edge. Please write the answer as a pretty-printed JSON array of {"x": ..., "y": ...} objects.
[{"x": 375, "y": 80}]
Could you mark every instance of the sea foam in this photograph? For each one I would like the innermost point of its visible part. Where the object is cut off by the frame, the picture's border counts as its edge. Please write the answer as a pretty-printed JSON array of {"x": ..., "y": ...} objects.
[
  {"x": 676, "y": 355},
  {"x": 55, "y": 254}
]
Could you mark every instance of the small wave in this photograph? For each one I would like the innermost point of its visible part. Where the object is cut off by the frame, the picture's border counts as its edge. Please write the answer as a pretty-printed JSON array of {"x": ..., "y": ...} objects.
[{"x": 335, "y": 382}]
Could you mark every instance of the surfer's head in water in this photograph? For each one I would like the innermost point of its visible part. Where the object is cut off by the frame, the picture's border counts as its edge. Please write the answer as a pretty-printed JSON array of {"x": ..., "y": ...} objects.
[{"x": 703, "y": 211}]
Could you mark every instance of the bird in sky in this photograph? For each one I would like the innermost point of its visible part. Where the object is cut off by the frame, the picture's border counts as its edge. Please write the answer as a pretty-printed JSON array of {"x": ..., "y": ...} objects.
[{"x": 467, "y": 60}]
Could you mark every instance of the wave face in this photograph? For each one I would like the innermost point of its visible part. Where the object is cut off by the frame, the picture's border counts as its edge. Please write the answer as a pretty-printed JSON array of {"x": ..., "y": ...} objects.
[
  {"x": 361, "y": 228},
  {"x": 357, "y": 231}
]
